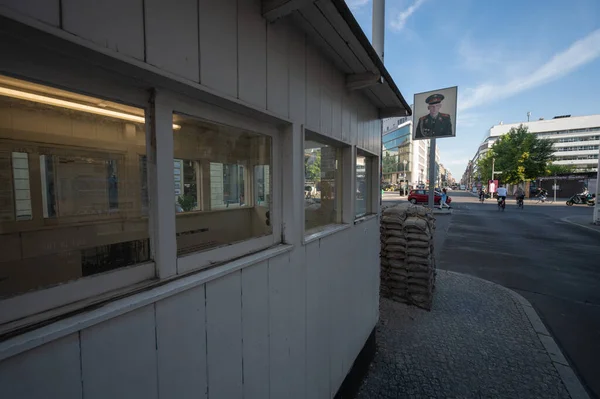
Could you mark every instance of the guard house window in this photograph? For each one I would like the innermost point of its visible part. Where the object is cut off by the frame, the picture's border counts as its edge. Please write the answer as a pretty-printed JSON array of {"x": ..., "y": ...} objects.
[
  {"x": 222, "y": 184},
  {"x": 322, "y": 183},
  {"x": 71, "y": 186},
  {"x": 364, "y": 184}
]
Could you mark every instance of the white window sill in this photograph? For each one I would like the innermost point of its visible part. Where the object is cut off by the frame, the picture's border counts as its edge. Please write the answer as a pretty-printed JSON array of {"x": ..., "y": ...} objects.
[
  {"x": 365, "y": 218},
  {"x": 113, "y": 308},
  {"x": 324, "y": 232}
]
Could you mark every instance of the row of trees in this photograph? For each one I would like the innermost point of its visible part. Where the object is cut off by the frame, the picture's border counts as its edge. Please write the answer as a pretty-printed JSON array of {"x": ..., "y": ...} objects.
[{"x": 520, "y": 156}]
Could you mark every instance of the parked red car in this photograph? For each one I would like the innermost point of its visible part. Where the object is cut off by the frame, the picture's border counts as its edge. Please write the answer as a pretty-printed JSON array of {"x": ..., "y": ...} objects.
[{"x": 422, "y": 197}]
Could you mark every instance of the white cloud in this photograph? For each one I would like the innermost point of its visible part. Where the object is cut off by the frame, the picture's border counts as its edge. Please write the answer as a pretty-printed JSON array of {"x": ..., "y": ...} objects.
[
  {"x": 399, "y": 20},
  {"x": 578, "y": 54},
  {"x": 356, "y": 4}
]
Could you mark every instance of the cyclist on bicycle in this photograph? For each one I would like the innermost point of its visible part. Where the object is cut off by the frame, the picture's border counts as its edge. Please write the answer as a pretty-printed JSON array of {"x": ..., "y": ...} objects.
[
  {"x": 519, "y": 195},
  {"x": 481, "y": 194},
  {"x": 501, "y": 192}
]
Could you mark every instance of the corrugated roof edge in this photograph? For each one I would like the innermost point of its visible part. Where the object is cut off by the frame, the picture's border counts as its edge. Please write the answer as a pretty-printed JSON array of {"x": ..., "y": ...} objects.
[{"x": 345, "y": 12}]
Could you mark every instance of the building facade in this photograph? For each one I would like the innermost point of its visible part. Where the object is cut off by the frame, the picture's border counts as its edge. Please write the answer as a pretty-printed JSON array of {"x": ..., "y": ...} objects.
[
  {"x": 156, "y": 238},
  {"x": 405, "y": 161},
  {"x": 576, "y": 139}
]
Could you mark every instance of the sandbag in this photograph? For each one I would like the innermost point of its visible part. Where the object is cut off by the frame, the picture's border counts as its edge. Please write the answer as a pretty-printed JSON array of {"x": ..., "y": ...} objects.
[
  {"x": 396, "y": 240},
  {"x": 422, "y": 252}
]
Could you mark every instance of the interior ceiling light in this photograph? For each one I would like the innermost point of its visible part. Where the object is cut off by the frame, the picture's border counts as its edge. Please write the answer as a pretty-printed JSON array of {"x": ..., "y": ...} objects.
[{"x": 73, "y": 105}]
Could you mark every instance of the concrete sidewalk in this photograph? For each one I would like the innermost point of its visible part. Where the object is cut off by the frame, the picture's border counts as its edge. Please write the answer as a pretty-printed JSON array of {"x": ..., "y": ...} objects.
[
  {"x": 480, "y": 340},
  {"x": 584, "y": 221}
]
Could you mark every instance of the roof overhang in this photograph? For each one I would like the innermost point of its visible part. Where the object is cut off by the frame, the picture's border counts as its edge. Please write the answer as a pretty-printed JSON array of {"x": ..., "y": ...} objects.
[{"x": 331, "y": 26}]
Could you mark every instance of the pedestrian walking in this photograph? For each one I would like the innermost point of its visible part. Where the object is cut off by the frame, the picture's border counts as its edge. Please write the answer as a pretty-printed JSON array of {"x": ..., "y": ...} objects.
[{"x": 443, "y": 200}]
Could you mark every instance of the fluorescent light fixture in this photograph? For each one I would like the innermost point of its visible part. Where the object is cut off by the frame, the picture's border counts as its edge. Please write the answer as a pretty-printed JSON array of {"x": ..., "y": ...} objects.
[{"x": 73, "y": 105}]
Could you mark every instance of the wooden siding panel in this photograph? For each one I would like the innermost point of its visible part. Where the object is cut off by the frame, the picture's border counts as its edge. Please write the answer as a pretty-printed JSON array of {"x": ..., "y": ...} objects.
[
  {"x": 326, "y": 99},
  {"x": 49, "y": 371},
  {"x": 298, "y": 322},
  {"x": 172, "y": 37},
  {"x": 279, "y": 326},
  {"x": 224, "y": 336},
  {"x": 181, "y": 339},
  {"x": 313, "y": 89},
  {"x": 219, "y": 45},
  {"x": 255, "y": 330},
  {"x": 277, "y": 69},
  {"x": 252, "y": 54},
  {"x": 317, "y": 333},
  {"x": 118, "y": 357},
  {"x": 337, "y": 84},
  {"x": 47, "y": 11},
  {"x": 297, "y": 90},
  {"x": 114, "y": 24}
]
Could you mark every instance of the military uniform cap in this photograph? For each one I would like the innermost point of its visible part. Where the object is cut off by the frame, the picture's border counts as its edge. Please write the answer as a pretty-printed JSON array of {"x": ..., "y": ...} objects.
[{"x": 434, "y": 99}]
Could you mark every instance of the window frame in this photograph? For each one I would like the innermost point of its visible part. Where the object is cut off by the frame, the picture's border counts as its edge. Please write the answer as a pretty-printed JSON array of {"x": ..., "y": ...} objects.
[
  {"x": 41, "y": 304},
  {"x": 347, "y": 180},
  {"x": 371, "y": 162},
  {"x": 171, "y": 104}
]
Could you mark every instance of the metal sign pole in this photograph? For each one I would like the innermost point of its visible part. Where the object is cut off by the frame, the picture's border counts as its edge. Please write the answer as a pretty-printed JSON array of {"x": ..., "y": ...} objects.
[{"x": 431, "y": 202}]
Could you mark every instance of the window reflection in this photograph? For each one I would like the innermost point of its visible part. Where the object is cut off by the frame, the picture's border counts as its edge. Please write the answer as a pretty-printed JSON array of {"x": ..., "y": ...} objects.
[
  {"x": 72, "y": 186},
  {"x": 322, "y": 184},
  {"x": 222, "y": 184}
]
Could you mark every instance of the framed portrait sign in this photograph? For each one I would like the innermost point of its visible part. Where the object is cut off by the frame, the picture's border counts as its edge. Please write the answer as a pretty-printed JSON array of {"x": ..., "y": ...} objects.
[{"x": 435, "y": 114}]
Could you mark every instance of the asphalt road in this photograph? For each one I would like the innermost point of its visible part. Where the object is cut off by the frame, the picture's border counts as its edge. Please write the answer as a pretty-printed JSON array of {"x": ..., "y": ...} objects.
[{"x": 555, "y": 265}]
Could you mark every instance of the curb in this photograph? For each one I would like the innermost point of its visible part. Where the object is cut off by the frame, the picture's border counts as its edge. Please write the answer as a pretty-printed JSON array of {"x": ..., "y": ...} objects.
[
  {"x": 567, "y": 375},
  {"x": 566, "y": 220}
]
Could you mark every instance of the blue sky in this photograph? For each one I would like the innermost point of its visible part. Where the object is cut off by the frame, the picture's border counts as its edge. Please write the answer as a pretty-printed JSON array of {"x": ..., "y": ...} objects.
[{"x": 506, "y": 57}]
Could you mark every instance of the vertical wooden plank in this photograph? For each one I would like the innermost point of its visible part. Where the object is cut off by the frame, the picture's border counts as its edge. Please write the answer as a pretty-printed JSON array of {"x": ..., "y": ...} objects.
[
  {"x": 346, "y": 115},
  {"x": 337, "y": 83},
  {"x": 49, "y": 371},
  {"x": 326, "y": 99},
  {"x": 219, "y": 45},
  {"x": 252, "y": 53},
  {"x": 279, "y": 326},
  {"x": 297, "y": 64},
  {"x": 255, "y": 330},
  {"x": 181, "y": 345},
  {"x": 353, "y": 106},
  {"x": 161, "y": 182},
  {"x": 317, "y": 348},
  {"x": 277, "y": 68},
  {"x": 329, "y": 255},
  {"x": 224, "y": 336},
  {"x": 114, "y": 24},
  {"x": 313, "y": 88},
  {"x": 118, "y": 357},
  {"x": 298, "y": 322},
  {"x": 47, "y": 11},
  {"x": 172, "y": 37}
]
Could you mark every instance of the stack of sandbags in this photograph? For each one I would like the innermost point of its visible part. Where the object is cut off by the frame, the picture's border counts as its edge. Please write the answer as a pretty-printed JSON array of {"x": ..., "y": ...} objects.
[{"x": 407, "y": 262}]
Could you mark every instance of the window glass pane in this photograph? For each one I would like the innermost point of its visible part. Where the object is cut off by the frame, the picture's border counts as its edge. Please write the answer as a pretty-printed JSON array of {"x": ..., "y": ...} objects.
[
  {"x": 73, "y": 193},
  {"x": 364, "y": 190},
  {"x": 222, "y": 184},
  {"x": 323, "y": 185}
]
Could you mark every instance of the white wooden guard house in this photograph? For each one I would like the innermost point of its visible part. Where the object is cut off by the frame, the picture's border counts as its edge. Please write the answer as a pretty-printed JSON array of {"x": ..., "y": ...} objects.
[{"x": 188, "y": 197}]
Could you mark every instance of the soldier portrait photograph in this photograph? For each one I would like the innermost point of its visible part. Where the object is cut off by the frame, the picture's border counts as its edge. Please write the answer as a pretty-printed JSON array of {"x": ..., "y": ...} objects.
[{"x": 435, "y": 114}]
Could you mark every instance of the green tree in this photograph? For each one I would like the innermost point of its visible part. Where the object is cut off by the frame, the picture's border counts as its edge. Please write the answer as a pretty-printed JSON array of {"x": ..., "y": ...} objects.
[
  {"x": 484, "y": 166},
  {"x": 554, "y": 169},
  {"x": 521, "y": 155},
  {"x": 390, "y": 163},
  {"x": 312, "y": 169}
]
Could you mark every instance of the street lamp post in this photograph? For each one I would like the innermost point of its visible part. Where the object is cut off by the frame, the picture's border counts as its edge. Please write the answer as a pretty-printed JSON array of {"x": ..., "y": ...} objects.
[{"x": 404, "y": 162}]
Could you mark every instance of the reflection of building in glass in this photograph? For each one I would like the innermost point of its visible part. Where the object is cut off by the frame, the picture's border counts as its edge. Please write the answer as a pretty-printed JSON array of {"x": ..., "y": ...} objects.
[{"x": 405, "y": 159}]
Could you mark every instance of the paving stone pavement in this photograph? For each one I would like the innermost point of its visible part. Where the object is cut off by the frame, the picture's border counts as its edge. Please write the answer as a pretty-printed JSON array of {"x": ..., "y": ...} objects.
[{"x": 477, "y": 342}]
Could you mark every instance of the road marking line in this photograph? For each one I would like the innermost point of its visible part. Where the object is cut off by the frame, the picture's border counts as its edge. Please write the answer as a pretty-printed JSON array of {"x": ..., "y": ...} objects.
[{"x": 566, "y": 220}]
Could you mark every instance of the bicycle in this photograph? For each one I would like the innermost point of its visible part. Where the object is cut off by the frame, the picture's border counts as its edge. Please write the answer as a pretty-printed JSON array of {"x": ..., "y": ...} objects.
[
  {"x": 501, "y": 203},
  {"x": 520, "y": 202}
]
